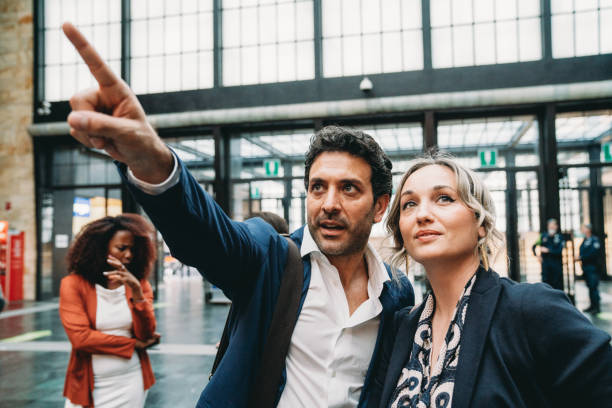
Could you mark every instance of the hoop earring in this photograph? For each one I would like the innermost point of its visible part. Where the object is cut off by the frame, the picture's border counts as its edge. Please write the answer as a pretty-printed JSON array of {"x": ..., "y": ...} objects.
[{"x": 483, "y": 256}]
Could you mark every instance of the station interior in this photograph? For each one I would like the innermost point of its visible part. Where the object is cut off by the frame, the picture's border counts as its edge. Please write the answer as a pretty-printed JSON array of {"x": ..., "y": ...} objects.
[{"x": 518, "y": 90}]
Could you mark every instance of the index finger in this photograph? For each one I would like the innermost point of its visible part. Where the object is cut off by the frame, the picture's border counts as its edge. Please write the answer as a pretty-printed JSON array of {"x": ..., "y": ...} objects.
[{"x": 98, "y": 67}]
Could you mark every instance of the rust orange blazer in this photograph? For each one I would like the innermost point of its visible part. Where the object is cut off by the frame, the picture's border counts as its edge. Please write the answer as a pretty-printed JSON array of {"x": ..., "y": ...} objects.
[{"x": 77, "y": 309}]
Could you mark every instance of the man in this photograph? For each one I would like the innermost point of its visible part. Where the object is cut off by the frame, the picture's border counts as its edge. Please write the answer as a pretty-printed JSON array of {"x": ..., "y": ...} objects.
[
  {"x": 551, "y": 246},
  {"x": 349, "y": 296},
  {"x": 589, "y": 257}
]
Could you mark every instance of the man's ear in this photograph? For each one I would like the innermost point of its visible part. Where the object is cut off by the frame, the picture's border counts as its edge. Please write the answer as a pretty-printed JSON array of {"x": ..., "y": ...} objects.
[{"x": 380, "y": 206}]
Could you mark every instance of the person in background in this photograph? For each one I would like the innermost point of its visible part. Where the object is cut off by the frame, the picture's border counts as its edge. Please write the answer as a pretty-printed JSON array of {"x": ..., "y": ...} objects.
[
  {"x": 551, "y": 245},
  {"x": 276, "y": 221},
  {"x": 106, "y": 308},
  {"x": 479, "y": 340},
  {"x": 589, "y": 258}
]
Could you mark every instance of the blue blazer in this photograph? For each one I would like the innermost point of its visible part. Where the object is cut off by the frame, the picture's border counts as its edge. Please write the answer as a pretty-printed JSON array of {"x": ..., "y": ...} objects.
[
  {"x": 246, "y": 260},
  {"x": 523, "y": 345}
]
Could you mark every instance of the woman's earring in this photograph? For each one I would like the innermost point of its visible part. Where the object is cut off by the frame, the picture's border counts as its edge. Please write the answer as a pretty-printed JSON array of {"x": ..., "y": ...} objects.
[{"x": 483, "y": 256}]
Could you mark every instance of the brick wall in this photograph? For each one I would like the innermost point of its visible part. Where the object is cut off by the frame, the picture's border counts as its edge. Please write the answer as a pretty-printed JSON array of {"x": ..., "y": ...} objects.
[{"x": 16, "y": 151}]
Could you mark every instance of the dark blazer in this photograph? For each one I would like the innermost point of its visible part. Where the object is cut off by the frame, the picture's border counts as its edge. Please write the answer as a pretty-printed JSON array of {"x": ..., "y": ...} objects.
[{"x": 523, "y": 345}]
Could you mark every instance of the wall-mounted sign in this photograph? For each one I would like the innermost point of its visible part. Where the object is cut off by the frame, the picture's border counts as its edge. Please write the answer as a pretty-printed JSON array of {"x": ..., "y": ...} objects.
[
  {"x": 271, "y": 167},
  {"x": 488, "y": 158},
  {"x": 81, "y": 207},
  {"x": 61, "y": 241},
  {"x": 607, "y": 154}
]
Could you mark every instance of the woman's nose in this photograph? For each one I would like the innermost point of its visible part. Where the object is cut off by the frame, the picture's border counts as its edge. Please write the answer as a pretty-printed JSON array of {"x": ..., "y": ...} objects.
[{"x": 423, "y": 212}]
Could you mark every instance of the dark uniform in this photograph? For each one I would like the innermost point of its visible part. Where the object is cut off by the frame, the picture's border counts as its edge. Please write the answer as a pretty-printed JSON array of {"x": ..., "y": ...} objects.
[
  {"x": 552, "y": 263},
  {"x": 589, "y": 254}
]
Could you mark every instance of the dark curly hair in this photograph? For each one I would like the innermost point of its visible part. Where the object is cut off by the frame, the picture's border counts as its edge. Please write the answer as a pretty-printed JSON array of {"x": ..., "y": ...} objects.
[
  {"x": 88, "y": 253},
  {"x": 356, "y": 143}
]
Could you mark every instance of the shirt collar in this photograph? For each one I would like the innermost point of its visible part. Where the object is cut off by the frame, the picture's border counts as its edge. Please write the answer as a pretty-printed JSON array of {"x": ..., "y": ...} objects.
[
  {"x": 376, "y": 267},
  {"x": 308, "y": 244}
]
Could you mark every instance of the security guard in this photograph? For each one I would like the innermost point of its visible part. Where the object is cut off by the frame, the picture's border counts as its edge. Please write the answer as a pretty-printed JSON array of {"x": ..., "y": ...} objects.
[
  {"x": 551, "y": 246},
  {"x": 589, "y": 254}
]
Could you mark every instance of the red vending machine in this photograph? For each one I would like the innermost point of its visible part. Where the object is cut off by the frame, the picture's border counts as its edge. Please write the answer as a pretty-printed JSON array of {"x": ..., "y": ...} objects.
[{"x": 11, "y": 262}]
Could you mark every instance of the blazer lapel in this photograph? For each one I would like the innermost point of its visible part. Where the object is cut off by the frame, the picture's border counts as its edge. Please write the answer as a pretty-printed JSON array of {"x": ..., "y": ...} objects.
[
  {"x": 402, "y": 347},
  {"x": 483, "y": 301}
]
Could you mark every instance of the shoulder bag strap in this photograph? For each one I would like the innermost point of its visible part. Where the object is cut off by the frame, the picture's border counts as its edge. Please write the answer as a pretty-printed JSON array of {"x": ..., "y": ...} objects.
[
  {"x": 265, "y": 388},
  {"x": 279, "y": 333}
]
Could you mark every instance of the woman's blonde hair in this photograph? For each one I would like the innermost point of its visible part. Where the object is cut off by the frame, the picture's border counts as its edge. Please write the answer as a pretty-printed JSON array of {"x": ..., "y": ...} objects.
[{"x": 472, "y": 192}]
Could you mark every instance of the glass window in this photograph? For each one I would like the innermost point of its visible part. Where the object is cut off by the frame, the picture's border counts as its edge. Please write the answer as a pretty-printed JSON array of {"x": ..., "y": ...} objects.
[
  {"x": 198, "y": 154},
  {"x": 266, "y": 41},
  {"x": 100, "y": 22},
  {"x": 171, "y": 45},
  {"x": 580, "y": 132},
  {"x": 371, "y": 36},
  {"x": 269, "y": 154},
  {"x": 583, "y": 126},
  {"x": 469, "y": 139},
  {"x": 82, "y": 166},
  {"x": 481, "y": 32},
  {"x": 581, "y": 27},
  {"x": 401, "y": 141}
]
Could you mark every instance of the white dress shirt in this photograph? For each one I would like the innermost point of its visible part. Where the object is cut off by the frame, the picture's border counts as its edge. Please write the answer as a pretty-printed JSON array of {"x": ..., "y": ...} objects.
[{"x": 330, "y": 349}]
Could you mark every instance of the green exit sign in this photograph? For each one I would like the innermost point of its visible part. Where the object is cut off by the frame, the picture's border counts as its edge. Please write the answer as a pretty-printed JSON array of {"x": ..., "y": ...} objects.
[
  {"x": 607, "y": 154},
  {"x": 488, "y": 158},
  {"x": 271, "y": 167}
]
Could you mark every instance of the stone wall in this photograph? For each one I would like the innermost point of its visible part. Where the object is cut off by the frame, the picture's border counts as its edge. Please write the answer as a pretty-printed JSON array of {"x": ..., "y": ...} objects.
[{"x": 17, "y": 203}]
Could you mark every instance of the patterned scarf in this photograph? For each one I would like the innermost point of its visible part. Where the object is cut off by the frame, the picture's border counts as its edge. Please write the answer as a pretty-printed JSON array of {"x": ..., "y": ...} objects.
[{"x": 415, "y": 389}]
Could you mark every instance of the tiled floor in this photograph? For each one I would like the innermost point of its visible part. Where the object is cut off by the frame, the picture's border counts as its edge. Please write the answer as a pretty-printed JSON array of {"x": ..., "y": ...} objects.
[{"x": 32, "y": 367}]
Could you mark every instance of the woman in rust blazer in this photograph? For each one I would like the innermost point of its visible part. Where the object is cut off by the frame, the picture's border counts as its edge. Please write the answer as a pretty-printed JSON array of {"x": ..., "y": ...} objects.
[{"x": 106, "y": 307}]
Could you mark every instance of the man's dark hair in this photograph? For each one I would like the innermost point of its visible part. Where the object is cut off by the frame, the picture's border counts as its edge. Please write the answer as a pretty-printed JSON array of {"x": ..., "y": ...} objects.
[
  {"x": 276, "y": 221},
  {"x": 356, "y": 143}
]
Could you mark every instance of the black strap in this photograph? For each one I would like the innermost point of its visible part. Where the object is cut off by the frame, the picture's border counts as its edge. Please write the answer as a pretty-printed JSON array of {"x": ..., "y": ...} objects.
[{"x": 265, "y": 388}]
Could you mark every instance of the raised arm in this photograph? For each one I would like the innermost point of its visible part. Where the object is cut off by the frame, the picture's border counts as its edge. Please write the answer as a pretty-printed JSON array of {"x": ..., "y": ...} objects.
[{"x": 195, "y": 228}]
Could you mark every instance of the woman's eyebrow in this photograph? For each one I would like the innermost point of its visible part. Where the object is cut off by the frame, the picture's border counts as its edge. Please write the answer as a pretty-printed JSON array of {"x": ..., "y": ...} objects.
[
  {"x": 442, "y": 186},
  {"x": 435, "y": 188}
]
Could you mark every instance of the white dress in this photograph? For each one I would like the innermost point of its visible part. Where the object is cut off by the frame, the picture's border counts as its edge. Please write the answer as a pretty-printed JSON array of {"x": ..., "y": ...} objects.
[{"x": 117, "y": 381}]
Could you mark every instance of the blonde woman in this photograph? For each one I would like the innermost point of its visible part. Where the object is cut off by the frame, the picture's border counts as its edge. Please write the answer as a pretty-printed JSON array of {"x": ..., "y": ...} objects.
[{"x": 478, "y": 340}]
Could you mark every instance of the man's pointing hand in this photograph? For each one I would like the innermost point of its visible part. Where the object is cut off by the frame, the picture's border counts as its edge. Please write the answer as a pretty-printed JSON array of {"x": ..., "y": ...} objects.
[{"x": 111, "y": 118}]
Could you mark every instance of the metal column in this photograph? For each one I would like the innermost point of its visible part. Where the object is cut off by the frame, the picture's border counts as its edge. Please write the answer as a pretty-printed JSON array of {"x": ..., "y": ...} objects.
[
  {"x": 222, "y": 174},
  {"x": 514, "y": 271},
  {"x": 430, "y": 131},
  {"x": 548, "y": 168},
  {"x": 596, "y": 197}
]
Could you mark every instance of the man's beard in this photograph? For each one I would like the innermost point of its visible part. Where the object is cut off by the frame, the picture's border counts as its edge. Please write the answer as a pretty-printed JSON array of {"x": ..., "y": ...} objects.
[{"x": 358, "y": 234}]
